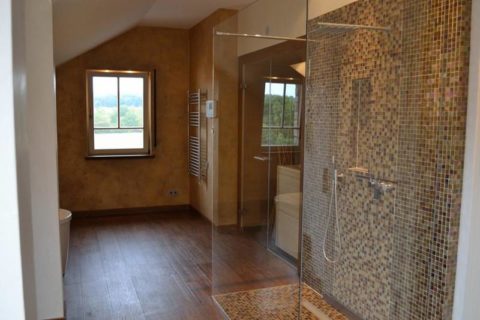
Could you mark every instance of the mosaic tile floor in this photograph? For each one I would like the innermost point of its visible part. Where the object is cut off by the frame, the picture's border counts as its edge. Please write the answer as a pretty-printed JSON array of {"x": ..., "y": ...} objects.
[{"x": 277, "y": 303}]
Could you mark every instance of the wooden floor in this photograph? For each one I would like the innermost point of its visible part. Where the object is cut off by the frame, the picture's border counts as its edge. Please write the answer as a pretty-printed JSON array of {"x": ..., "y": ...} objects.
[{"x": 161, "y": 266}]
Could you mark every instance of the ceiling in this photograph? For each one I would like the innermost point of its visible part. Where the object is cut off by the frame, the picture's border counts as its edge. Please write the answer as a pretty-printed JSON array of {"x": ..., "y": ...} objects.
[
  {"x": 186, "y": 13},
  {"x": 80, "y": 25}
]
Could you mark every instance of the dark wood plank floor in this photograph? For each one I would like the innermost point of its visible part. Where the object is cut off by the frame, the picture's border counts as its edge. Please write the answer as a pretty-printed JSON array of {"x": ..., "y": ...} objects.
[{"x": 161, "y": 266}]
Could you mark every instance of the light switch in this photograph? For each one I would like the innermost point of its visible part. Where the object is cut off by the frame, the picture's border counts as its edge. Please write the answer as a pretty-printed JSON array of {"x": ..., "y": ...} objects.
[{"x": 211, "y": 109}]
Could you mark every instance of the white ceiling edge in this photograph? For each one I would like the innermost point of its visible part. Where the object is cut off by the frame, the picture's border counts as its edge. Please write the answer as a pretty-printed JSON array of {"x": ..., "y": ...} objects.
[
  {"x": 81, "y": 25},
  {"x": 185, "y": 14}
]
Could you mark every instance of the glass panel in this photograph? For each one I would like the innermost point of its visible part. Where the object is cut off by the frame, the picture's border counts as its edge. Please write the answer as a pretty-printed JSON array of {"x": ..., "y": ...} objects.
[
  {"x": 347, "y": 249},
  {"x": 131, "y": 102},
  {"x": 255, "y": 252},
  {"x": 384, "y": 142},
  {"x": 284, "y": 137},
  {"x": 118, "y": 139},
  {"x": 105, "y": 102},
  {"x": 273, "y": 105},
  {"x": 281, "y": 115},
  {"x": 256, "y": 159},
  {"x": 291, "y": 115},
  {"x": 384, "y": 128}
]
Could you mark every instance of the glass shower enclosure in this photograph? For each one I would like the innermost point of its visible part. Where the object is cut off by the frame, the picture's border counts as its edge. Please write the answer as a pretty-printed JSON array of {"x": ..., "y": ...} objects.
[
  {"x": 256, "y": 257},
  {"x": 349, "y": 146}
]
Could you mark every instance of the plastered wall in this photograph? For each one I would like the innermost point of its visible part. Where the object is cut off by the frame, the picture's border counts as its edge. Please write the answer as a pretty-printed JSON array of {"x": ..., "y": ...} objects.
[
  {"x": 126, "y": 183},
  {"x": 201, "y": 77}
]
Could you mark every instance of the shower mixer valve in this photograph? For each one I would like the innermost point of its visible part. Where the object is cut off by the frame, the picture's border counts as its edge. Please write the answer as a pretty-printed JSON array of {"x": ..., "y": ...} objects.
[{"x": 380, "y": 187}]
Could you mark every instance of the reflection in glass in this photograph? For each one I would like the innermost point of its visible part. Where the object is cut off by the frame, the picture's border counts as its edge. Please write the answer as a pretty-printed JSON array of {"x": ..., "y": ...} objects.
[
  {"x": 273, "y": 109},
  {"x": 281, "y": 115},
  {"x": 291, "y": 114}
]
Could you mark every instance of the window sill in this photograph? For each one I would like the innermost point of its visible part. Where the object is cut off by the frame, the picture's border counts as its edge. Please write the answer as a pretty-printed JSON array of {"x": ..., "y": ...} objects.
[{"x": 119, "y": 156}]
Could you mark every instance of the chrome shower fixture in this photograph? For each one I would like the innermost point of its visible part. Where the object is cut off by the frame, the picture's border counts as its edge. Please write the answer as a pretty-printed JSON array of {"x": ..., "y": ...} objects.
[
  {"x": 259, "y": 36},
  {"x": 341, "y": 27},
  {"x": 333, "y": 211}
]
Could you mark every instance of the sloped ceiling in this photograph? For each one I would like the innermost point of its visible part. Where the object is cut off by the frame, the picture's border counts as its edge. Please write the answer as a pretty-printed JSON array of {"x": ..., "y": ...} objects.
[
  {"x": 80, "y": 25},
  {"x": 186, "y": 13}
]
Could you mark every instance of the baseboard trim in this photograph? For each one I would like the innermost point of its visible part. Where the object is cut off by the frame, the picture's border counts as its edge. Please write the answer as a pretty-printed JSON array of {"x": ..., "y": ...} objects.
[
  {"x": 131, "y": 211},
  {"x": 226, "y": 228}
]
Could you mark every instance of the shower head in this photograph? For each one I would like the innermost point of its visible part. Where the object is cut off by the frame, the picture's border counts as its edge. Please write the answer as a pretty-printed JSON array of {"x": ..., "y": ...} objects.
[{"x": 328, "y": 27}]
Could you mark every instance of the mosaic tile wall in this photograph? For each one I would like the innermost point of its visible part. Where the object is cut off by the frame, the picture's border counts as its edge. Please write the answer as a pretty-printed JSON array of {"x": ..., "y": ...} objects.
[{"x": 393, "y": 103}]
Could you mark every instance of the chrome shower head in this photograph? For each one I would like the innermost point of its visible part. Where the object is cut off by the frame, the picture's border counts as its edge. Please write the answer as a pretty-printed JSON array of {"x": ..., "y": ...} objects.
[{"x": 334, "y": 28}]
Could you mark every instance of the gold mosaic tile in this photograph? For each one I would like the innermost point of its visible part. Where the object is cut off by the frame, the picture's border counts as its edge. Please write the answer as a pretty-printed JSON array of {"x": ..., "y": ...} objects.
[
  {"x": 280, "y": 303},
  {"x": 395, "y": 104}
]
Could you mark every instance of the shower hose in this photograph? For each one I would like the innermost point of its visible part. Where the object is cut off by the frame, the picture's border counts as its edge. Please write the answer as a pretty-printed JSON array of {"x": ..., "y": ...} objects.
[{"x": 333, "y": 210}]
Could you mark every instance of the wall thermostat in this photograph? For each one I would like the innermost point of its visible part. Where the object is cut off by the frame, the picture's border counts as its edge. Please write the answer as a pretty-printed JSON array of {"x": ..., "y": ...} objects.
[{"x": 211, "y": 109}]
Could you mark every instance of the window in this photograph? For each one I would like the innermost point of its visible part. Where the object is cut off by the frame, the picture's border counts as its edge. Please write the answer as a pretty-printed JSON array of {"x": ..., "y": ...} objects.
[
  {"x": 281, "y": 115},
  {"x": 119, "y": 113}
]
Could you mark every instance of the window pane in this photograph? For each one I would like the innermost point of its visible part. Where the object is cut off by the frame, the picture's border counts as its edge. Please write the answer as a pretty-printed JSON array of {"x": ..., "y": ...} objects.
[
  {"x": 105, "y": 103},
  {"x": 118, "y": 139},
  {"x": 273, "y": 105},
  {"x": 280, "y": 137},
  {"x": 131, "y": 102},
  {"x": 292, "y": 102}
]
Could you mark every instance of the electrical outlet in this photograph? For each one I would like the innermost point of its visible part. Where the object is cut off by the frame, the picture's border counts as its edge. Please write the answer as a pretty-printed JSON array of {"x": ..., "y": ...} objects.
[{"x": 173, "y": 193}]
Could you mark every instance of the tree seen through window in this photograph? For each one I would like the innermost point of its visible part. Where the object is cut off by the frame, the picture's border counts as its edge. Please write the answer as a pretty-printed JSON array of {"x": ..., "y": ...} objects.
[{"x": 281, "y": 114}]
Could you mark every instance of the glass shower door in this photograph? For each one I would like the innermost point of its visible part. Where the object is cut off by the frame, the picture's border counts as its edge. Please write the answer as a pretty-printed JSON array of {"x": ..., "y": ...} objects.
[
  {"x": 270, "y": 167},
  {"x": 250, "y": 279},
  {"x": 381, "y": 164},
  {"x": 255, "y": 155}
]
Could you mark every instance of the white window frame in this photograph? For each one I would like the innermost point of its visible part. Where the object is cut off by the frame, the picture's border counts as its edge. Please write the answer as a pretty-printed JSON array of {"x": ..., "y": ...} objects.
[{"x": 147, "y": 149}]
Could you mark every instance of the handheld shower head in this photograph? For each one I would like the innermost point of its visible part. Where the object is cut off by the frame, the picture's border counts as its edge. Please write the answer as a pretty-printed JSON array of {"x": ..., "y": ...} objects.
[{"x": 333, "y": 210}]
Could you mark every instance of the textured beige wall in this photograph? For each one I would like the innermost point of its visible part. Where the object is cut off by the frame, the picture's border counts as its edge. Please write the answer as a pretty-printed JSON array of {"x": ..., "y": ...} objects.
[
  {"x": 126, "y": 183},
  {"x": 225, "y": 160},
  {"x": 201, "y": 74}
]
